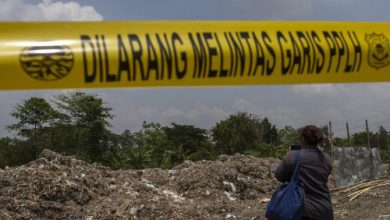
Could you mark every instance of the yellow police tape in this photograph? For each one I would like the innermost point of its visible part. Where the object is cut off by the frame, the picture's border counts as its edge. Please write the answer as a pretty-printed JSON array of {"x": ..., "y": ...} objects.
[{"x": 152, "y": 54}]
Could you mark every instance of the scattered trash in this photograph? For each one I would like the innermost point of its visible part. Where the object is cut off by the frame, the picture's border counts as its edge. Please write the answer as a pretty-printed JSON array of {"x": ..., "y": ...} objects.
[
  {"x": 61, "y": 187},
  {"x": 384, "y": 217},
  {"x": 266, "y": 200},
  {"x": 231, "y": 185},
  {"x": 122, "y": 208},
  {"x": 230, "y": 196},
  {"x": 230, "y": 216},
  {"x": 176, "y": 198}
]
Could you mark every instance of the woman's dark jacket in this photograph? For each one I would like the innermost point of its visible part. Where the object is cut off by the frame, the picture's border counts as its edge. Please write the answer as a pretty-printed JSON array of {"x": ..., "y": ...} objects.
[{"x": 315, "y": 168}]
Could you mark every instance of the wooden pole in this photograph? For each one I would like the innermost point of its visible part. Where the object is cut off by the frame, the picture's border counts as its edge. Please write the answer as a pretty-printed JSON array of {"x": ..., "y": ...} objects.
[
  {"x": 388, "y": 149},
  {"x": 368, "y": 133},
  {"x": 349, "y": 140},
  {"x": 330, "y": 135},
  {"x": 387, "y": 143}
]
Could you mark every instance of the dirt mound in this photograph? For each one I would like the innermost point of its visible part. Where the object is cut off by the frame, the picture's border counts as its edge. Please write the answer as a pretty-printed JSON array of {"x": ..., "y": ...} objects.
[
  {"x": 60, "y": 187},
  {"x": 232, "y": 187},
  {"x": 53, "y": 186}
]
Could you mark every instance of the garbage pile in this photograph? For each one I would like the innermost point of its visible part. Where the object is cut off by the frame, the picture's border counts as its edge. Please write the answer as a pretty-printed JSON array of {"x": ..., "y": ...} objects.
[{"x": 62, "y": 187}]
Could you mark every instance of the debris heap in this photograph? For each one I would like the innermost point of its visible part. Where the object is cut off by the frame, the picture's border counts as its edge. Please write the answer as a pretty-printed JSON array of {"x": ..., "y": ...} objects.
[
  {"x": 231, "y": 187},
  {"x": 61, "y": 187}
]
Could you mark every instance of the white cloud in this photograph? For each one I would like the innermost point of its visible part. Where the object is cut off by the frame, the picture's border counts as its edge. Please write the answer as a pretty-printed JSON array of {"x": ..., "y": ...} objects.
[
  {"x": 200, "y": 115},
  {"x": 275, "y": 9},
  {"x": 289, "y": 105},
  {"x": 347, "y": 92},
  {"x": 278, "y": 115},
  {"x": 47, "y": 10},
  {"x": 68, "y": 11},
  {"x": 353, "y": 103},
  {"x": 320, "y": 89},
  {"x": 242, "y": 105}
]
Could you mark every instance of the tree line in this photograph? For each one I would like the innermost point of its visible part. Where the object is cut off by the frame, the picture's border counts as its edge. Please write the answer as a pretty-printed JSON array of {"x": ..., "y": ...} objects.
[{"x": 78, "y": 124}]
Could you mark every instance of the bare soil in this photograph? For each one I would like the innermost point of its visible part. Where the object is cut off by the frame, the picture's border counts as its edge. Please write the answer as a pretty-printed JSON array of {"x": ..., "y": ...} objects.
[{"x": 232, "y": 187}]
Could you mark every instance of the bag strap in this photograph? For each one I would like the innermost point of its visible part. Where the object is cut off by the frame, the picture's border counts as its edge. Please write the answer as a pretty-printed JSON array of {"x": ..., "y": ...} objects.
[{"x": 296, "y": 166}]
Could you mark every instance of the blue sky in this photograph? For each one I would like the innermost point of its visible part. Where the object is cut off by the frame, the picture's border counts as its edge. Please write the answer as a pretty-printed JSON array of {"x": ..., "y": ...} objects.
[
  {"x": 294, "y": 105},
  {"x": 344, "y": 10}
]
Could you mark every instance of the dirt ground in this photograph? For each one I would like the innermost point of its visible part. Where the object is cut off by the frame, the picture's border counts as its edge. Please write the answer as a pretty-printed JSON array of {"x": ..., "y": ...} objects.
[
  {"x": 369, "y": 205},
  {"x": 232, "y": 187}
]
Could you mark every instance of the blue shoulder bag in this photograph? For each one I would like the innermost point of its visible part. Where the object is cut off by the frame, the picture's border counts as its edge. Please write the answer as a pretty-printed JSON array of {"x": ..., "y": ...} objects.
[{"x": 287, "y": 203}]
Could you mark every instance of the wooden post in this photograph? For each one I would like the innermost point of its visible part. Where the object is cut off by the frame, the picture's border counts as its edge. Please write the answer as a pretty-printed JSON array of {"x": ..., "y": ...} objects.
[
  {"x": 387, "y": 143},
  {"x": 349, "y": 140},
  {"x": 331, "y": 137},
  {"x": 388, "y": 149},
  {"x": 368, "y": 133},
  {"x": 330, "y": 134}
]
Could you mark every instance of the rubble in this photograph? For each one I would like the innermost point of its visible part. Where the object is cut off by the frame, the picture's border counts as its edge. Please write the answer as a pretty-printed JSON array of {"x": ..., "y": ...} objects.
[{"x": 231, "y": 187}]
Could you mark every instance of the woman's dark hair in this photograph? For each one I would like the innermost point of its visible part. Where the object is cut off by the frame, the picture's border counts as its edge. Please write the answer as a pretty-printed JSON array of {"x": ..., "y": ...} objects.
[{"x": 311, "y": 134}]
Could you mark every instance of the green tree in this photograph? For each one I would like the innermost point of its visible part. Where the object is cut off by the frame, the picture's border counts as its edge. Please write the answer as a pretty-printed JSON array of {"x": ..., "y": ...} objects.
[
  {"x": 359, "y": 139},
  {"x": 269, "y": 132},
  {"x": 340, "y": 142},
  {"x": 33, "y": 117},
  {"x": 15, "y": 152},
  {"x": 6, "y": 147},
  {"x": 241, "y": 132},
  {"x": 157, "y": 146},
  {"x": 151, "y": 142},
  {"x": 190, "y": 138},
  {"x": 89, "y": 117},
  {"x": 126, "y": 139},
  {"x": 383, "y": 138},
  {"x": 187, "y": 143},
  {"x": 140, "y": 156},
  {"x": 287, "y": 136}
]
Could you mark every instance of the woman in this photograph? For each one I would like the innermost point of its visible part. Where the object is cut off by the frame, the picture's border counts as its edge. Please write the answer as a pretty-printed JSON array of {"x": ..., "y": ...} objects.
[{"x": 315, "y": 168}]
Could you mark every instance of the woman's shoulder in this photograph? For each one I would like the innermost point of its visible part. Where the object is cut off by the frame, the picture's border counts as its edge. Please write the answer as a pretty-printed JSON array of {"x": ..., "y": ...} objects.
[
  {"x": 316, "y": 153},
  {"x": 291, "y": 155}
]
